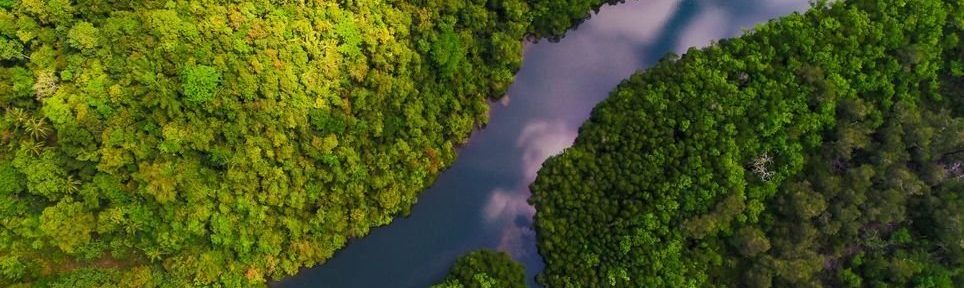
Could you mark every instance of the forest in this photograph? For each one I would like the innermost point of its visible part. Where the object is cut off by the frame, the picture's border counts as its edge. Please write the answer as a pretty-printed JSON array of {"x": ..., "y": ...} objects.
[
  {"x": 226, "y": 143},
  {"x": 822, "y": 149},
  {"x": 218, "y": 143}
]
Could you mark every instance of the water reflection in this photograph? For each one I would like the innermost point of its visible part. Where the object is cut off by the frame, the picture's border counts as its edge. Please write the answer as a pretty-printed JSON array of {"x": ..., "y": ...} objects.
[
  {"x": 718, "y": 19},
  {"x": 481, "y": 201},
  {"x": 508, "y": 210}
]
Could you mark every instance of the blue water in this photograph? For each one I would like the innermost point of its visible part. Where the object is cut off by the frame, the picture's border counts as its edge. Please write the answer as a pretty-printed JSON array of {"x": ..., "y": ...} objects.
[{"x": 481, "y": 201}]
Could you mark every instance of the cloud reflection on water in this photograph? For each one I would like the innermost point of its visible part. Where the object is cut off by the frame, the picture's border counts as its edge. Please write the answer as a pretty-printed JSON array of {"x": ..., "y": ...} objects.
[
  {"x": 709, "y": 25},
  {"x": 508, "y": 209},
  {"x": 717, "y": 20}
]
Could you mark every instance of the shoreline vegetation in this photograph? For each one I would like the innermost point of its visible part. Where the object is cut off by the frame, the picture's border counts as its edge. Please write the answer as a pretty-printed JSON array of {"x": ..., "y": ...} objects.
[
  {"x": 818, "y": 150},
  {"x": 484, "y": 268}
]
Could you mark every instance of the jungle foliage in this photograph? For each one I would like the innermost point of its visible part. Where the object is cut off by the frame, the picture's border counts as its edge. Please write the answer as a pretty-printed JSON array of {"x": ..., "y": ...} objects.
[
  {"x": 484, "y": 269},
  {"x": 224, "y": 143},
  {"x": 820, "y": 149}
]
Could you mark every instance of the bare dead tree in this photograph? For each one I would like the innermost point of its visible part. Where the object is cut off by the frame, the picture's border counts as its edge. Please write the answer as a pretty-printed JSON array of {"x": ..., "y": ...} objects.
[
  {"x": 761, "y": 167},
  {"x": 45, "y": 85},
  {"x": 955, "y": 170}
]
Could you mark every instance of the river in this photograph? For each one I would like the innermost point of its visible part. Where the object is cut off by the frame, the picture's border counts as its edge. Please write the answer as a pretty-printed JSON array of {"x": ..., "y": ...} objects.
[{"x": 480, "y": 202}]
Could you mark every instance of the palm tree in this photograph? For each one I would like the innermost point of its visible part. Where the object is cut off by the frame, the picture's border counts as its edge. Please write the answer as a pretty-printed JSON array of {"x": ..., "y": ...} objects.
[
  {"x": 72, "y": 185},
  {"x": 37, "y": 128},
  {"x": 36, "y": 147},
  {"x": 18, "y": 115}
]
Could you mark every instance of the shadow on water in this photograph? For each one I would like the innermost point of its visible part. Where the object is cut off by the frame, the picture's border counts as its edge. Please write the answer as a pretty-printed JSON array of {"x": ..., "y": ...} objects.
[{"x": 480, "y": 202}]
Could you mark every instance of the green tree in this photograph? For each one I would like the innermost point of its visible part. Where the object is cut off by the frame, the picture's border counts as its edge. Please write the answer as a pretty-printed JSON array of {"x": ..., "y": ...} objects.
[
  {"x": 68, "y": 224},
  {"x": 11, "y": 181},
  {"x": 199, "y": 83},
  {"x": 10, "y": 49},
  {"x": 83, "y": 36}
]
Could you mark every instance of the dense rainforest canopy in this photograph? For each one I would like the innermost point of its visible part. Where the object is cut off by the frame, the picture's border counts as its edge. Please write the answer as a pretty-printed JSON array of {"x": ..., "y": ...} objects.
[
  {"x": 820, "y": 149},
  {"x": 484, "y": 269},
  {"x": 224, "y": 143}
]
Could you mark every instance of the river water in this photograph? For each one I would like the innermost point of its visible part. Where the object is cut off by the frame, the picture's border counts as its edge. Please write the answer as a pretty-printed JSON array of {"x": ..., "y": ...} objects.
[{"x": 480, "y": 202}]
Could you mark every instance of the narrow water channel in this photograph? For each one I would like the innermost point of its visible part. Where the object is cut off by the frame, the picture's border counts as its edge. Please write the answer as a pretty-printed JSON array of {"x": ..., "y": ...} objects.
[{"x": 481, "y": 201}]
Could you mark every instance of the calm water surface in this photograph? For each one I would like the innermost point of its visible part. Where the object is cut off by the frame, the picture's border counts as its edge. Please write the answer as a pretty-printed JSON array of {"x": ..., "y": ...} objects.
[{"x": 481, "y": 201}]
